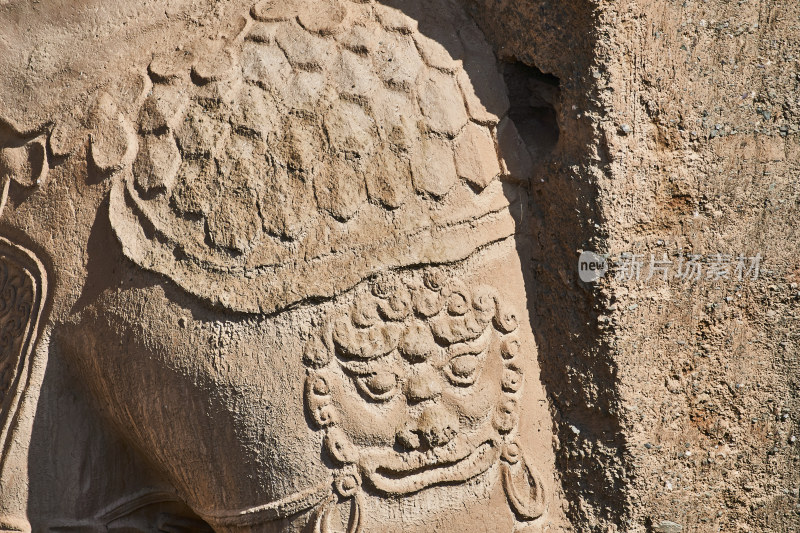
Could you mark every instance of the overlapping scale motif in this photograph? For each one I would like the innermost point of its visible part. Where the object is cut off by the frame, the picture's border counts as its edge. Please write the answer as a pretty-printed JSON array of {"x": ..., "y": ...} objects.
[{"x": 325, "y": 142}]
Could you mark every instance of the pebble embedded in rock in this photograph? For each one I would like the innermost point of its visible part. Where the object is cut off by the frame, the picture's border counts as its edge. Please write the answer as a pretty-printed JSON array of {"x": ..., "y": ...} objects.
[{"x": 667, "y": 526}]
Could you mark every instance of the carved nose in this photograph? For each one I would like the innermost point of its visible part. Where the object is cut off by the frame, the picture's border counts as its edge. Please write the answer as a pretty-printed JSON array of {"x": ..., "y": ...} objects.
[
  {"x": 423, "y": 387},
  {"x": 437, "y": 426}
]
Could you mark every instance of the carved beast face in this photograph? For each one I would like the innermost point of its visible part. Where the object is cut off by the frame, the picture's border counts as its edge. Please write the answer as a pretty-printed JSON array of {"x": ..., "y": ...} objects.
[{"x": 414, "y": 383}]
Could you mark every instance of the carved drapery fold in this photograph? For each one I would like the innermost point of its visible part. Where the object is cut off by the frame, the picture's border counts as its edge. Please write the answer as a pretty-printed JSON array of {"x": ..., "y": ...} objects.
[{"x": 22, "y": 288}]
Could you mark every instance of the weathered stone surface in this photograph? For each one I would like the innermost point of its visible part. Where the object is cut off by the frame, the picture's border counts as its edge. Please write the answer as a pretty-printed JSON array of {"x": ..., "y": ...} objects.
[
  {"x": 389, "y": 177},
  {"x": 441, "y": 103},
  {"x": 340, "y": 191},
  {"x": 476, "y": 157},
  {"x": 395, "y": 124},
  {"x": 480, "y": 80},
  {"x": 393, "y": 19},
  {"x": 433, "y": 167},
  {"x": 514, "y": 155},
  {"x": 397, "y": 61},
  {"x": 168, "y": 67},
  {"x": 349, "y": 130},
  {"x": 326, "y": 17},
  {"x": 304, "y": 50},
  {"x": 162, "y": 110},
  {"x": 26, "y": 165},
  {"x": 686, "y": 178},
  {"x": 275, "y": 10},
  {"x": 443, "y": 52},
  {"x": 310, "y": 266},
  {"x": 157, "y": 163},
  {"x": 214, "y": 65},
  {"x": 249, "y": 180},
  {"x": 359, "y": 39},
  {"x": 265, "y": 65},
  {"x": 355, "y": 76}
]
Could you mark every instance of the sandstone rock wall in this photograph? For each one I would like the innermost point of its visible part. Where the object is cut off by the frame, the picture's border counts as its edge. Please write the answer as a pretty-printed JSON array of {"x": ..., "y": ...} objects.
[
  {"x": 179, "y": 377},
  {"x": 681, "y": 139}
]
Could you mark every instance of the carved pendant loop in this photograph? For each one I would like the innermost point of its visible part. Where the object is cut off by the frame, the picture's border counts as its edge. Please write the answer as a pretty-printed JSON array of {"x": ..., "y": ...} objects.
[
  {"x": 531, "y": 503},
  {"x": 323, "y": 522}
]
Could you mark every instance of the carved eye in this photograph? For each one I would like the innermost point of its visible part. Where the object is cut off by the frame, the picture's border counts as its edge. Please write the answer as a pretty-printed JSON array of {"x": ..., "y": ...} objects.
[
  {"x": 462, "y": 370},
  {"x": 380, "y": 386}
]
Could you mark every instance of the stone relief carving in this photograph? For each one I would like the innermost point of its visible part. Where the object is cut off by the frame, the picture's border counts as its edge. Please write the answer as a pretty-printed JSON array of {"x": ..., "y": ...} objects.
[
  {"x": 310, "y": 125},
  {"x": 22, "y": 288},
  {"x": 417, "y": 385},
  {"x": 321, "y": 161}
]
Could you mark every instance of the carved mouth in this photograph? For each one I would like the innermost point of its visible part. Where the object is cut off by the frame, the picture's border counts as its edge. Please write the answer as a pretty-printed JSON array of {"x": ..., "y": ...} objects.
[{"x": 404, "y": 473}]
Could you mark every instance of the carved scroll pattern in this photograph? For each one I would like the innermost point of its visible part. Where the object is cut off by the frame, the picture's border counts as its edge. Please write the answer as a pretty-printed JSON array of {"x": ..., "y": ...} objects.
[
  {"x": 16, "y": 303},
  {"x": 382, "y": 347},
  {"x": 22, "y": 288}
]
